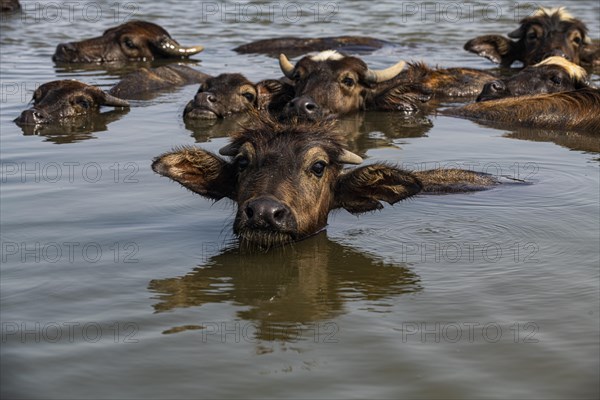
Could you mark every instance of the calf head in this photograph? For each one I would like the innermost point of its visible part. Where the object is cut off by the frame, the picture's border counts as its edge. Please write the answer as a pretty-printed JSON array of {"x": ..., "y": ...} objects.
[
  {"x": 62, "y": 100},
  {"x": 546, "y": 33},
  {"x": 286, "y": 179},
  {"x": 554, "y": 74},
  {"x": 133, "y": 40},
  {"x": 332, "y": 83},
  {"x": 228, "y": 94}
]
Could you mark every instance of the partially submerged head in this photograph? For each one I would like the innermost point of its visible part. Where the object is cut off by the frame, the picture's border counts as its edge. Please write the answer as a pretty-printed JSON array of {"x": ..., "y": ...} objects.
[
  {"x": 554, "y": 74},
  {"x": 133, "y": 40},
  {"x": 228, "y": 94},
  {"x": 62, "y": 100},
  {"x": 286, "y": 179},
  {"x": 332, "y": 83}
]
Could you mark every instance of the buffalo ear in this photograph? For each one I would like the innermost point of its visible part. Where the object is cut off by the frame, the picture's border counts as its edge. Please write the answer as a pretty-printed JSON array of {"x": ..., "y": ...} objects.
[
  {"x": 403, "y": 97},
  {"x": 200, "y": 171},
  {"x": 273, "y": 94},
  {"x": 361, "y": 189},
  {"x": 454, "y": 180},
  {"x": 495, "y": 48}
]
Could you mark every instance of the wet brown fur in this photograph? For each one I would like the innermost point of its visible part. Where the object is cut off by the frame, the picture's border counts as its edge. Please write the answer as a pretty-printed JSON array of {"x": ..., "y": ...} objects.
[
  {"x": 279, "y": 159},
  {"x": 577, "y": 110}
]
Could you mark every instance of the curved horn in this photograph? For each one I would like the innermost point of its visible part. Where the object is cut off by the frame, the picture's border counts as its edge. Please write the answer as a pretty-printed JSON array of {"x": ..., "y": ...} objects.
[
  {"x": 349, "y": 157},
  {"x": 109, "y": 100},
  {"x": 286, "y": 66},
  {"x": 170, "y": 47},
  {"x": 230, "y": 150},
  {"x": 373, "y": 76}
]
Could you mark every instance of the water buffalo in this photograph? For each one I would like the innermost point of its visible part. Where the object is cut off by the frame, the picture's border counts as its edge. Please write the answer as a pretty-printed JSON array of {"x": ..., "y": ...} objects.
[
  {"x": 576, "y": 110},
  {"x": 546, "y": 33},
  {"x": 228, "y": 94},
  {"x": 447, "y": 82},
  {"x": 554, "y": 74},
  {"x": 146, "y": 83},
  {"x": 295, "y": 46},
  {"x": 131, "y": 41},
  {"x": 9, "y": 5},
  {"x": 58, "y": 101},
  {"x": 332, "y": 83},
  {"x": 286, "y": 178}
]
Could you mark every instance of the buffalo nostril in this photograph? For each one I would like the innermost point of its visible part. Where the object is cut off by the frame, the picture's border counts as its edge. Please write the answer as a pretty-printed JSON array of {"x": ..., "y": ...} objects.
[
  {"x": 279, "y": 214},
  {"x": 212, "y": 98},
  {"x": 497, "y": 86},
  {"x": 38, "y": 115},
  {"x": 268, "y": 213},
  {"x": 310, "y": 107},
  {"x": 249, "y": 212}
]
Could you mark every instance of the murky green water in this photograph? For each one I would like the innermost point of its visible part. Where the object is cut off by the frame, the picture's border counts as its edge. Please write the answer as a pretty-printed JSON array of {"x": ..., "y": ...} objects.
[{"x": 117, "y": 283}]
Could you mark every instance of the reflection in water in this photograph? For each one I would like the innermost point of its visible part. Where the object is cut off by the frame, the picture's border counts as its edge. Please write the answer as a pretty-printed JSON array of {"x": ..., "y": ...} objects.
[
  {"x": 363, "y": 131},
  {"x": 205, "y": 129},
  {"x": 75, "y": 129},
  {"x": 306, "y": 282},
  {"x": 580, "y": 141},
  {"x": 118, "y": 68}
]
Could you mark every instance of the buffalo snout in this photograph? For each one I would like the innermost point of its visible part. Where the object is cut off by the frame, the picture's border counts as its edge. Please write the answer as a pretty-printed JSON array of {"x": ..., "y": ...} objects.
[
  {"x": 33, "y": 117},
  {"x": 492, "y": 90},
  {"x": 269, "y": 214},
  {"x": 303, "y": 106}
]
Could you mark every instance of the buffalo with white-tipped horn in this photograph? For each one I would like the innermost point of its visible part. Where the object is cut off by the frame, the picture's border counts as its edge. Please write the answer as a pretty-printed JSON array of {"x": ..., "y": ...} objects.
[
  {"x": 331, "y": 83},
  {"x": 131, "y": 41}
]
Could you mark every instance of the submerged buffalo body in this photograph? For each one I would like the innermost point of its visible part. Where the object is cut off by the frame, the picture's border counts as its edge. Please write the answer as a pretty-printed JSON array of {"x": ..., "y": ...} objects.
[
  {"x": 546, "y": 33},
  {"x": 447, "y": 82},
  {"x": 228, "y": 94},
  {"x": 295, "y": 46},
  {"x": 554, "y": 74},
  {"x": 145, "y": 82},
  {"x": 576, "y": 110},
  {"x": 131, "y": 41},
  {"x": 286, "y": 179},
  {"x": 332, "y": 83},
  {"x": 58, "y": 101}
]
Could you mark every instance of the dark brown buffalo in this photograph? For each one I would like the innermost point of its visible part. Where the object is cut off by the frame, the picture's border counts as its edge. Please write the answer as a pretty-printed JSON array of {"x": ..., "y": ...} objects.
[
  {"x": 286, "y": 178},
  {"x": 554, "y": 74},
  {"x": 146, "y": 83},
  {"x": 295, "y": 46},
  {"x": 332, "y": 83},
  {"x": 228, "y": 94},
  {"x": 9, "y": 5},
  {"x": 447, "y": 82},
  {"x": 131, "y": 41},
  {"x": 577, "y": 110},
  {"x": 59, "y": 101},
  {"x": 546, "y": 33}
]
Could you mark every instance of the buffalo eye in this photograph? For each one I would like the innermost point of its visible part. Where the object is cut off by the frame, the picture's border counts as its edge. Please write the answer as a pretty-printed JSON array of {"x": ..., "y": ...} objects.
[
  {"x": 556, "y": 79},
  {"x": 249, "y": 96},
  {"x": 318, "y": 168},
  {"x": 577, "y": 39},
  {"x": 348, "y": 81},
  {"x": 242, "y": 163},
  {"x": 129, "y": 43},
  {"x": 83, "y": 103}
]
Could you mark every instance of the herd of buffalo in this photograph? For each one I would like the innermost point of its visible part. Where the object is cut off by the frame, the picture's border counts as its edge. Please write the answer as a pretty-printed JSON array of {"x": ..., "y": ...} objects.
[{"x": 285, "y": 167}]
